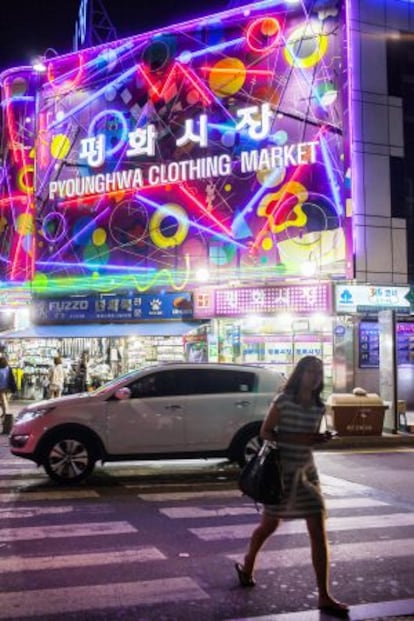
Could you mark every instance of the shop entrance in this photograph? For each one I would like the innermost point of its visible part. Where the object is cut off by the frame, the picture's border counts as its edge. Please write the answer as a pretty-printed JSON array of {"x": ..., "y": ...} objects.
[{"x": 278, "y": 343}]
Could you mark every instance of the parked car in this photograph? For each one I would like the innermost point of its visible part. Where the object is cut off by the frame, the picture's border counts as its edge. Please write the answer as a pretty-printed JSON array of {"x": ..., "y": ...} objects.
[{"x": 177, "y": 410}]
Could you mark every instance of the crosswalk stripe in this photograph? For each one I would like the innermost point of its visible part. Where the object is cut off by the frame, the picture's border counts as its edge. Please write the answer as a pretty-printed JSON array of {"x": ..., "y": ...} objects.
[
  {"x": 66, "y": 530},
  {"x": 23, "y": 481},
  {"x": 42, "y": 602},
  {"x": 342, "y": 552},
  {"x": 357, "y": 523},
  {"x": 171, "y": 496},
  {"x": 23, "y": 471},
  {"x": 25, "y": 512},
  {"x": 341, "y": 487},
  {"x": 201, "y": 512},
  {"x": 48, "y": 495},
  {"x": 38, "y": 563}
]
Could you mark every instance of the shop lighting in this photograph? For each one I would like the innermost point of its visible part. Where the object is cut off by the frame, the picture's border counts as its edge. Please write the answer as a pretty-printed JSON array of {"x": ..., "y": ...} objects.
[
  {"x": 309, "y": 268},
  {"x": 202, "y": 275},
  {"x": 39, "y": 65},
  {"x": 252, "y": 321},
  {"x": 284, "y": 319},
  {"x": 319, "y": 320}
]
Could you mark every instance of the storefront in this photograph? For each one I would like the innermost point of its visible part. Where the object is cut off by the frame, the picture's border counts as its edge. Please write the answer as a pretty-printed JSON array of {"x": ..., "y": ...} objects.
[
  {"x": 274, "y": 326},
  {"x": 162, "y": 332},
  {"x": 359, "y": 354}
]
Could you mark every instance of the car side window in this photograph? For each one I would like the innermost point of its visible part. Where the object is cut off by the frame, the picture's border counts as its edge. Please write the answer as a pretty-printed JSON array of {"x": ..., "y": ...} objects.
[
  {"x": 212, "y": 381},
  {"x": 159, "y": 384}
]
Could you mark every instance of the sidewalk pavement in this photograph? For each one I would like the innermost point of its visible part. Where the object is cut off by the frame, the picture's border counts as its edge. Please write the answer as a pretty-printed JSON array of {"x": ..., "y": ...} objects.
[{"x": 386, "y": 440}]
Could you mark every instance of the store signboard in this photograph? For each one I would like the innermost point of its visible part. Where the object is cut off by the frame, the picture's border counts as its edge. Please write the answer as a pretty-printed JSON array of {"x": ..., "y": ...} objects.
[
  {"x": 306, "y": 299},
  {"x": 113, "y": 307},
  {"x": 361, "y": 298}
]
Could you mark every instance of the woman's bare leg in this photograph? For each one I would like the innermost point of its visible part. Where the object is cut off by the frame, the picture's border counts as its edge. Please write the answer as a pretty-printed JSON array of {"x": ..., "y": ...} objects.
[
  {"x": 3, "y": 402},
  {"x": 320, "y": 560},
  {"x": 266, "y": 527}
]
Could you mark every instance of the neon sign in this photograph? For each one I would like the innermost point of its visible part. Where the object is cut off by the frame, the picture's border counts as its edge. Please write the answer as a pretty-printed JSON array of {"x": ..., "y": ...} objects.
[
  {"x": 218, "y": 143},
  {"x": 186, "y": 170}
]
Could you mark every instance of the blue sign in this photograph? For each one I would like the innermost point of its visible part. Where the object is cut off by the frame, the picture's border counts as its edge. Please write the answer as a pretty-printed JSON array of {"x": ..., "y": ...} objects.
[{"x": 117, "y": 307}]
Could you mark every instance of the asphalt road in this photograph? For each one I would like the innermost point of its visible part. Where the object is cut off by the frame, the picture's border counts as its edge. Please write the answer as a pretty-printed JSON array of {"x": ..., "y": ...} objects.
[{"x": 157, "y": 542}]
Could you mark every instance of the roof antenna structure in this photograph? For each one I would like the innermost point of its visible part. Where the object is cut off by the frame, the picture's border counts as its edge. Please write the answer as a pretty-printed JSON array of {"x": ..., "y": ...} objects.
[{"x": 93, "y": 25}]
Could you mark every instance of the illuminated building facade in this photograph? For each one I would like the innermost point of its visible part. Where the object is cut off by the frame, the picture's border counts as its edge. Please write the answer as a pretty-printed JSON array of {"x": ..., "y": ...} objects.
[{"x": 235, "y": 149}]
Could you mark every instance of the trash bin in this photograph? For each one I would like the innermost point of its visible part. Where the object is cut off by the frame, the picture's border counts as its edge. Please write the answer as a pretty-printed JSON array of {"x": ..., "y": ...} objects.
[{"x": 359, "y": 414}]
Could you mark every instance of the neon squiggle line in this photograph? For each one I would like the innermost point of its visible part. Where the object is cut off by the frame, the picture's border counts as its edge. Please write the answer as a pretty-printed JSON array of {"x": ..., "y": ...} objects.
[{"x": 169, "y": 276}]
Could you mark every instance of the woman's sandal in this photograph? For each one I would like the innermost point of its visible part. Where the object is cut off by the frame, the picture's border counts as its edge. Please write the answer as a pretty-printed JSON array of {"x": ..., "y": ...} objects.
[
  {"x": 335, "y": 609},
  {"x": 245, "y": 580}
]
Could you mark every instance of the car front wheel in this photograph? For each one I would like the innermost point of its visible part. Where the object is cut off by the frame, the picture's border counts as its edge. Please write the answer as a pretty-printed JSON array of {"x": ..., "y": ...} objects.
[{"x": 69, "y": 457}]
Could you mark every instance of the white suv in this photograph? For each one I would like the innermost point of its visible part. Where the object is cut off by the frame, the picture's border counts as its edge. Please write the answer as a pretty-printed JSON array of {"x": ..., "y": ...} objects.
[{"x": 171, "y": 411}]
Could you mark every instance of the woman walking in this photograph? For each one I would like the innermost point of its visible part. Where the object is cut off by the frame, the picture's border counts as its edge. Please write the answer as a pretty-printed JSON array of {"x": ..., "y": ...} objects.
[
  {"x": 7, "y": 385},
  {"x": 56, "y": 378},
  {"x": 293, "y": 421}
]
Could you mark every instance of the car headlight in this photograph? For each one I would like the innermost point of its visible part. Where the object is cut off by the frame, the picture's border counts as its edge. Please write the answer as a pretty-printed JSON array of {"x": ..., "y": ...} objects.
[{"x": 24, "y": 417}]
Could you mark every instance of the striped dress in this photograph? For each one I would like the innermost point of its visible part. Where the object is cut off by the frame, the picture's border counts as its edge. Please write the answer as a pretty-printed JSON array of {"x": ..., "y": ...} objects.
[{"x": 303, "y": 496}]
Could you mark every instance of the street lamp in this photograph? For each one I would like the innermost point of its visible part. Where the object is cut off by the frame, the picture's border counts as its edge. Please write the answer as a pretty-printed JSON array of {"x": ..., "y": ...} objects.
[{"x": 39, "y": 62}]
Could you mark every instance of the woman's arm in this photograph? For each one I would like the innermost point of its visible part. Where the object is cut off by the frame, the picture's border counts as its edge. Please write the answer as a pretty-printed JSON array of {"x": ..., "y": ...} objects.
[{"x": 267, "y": 430}]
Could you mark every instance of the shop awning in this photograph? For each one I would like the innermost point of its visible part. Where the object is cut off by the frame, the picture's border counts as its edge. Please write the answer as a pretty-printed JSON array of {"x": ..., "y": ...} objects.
[{"x": 101, "y": 330}]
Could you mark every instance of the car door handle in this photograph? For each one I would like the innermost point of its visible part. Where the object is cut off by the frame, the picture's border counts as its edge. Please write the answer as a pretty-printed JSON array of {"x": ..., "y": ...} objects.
[
  {"x": 242, "y": 404},
  {"x": 173, "y": 407}
]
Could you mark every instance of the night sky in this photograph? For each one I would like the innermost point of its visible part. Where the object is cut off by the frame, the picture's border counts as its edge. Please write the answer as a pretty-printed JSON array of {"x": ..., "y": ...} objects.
[{"x": 29, "y": 27}]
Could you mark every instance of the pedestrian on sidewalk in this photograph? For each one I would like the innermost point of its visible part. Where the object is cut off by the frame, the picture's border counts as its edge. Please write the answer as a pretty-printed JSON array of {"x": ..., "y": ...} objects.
[
  {"x": 7, "y": 385},
  {"x": 293, "y": 420},
  {"x": 56, "y": 378}
]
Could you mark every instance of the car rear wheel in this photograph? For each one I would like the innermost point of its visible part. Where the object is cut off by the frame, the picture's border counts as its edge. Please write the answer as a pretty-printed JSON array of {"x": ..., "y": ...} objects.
[{"x": 69, "y": 457}]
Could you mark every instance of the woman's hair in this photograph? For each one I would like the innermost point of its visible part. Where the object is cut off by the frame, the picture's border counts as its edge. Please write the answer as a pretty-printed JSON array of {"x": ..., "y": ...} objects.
[
  {"x": 294, "y": 381},
  {"x": 57, "y": 360},
  {"x": 3, "y": 362}
]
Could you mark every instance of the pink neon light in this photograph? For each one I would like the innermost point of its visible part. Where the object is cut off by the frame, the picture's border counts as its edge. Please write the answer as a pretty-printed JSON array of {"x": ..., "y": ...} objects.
[
  {"x": 255, "y": 72},
  {"x": 14, "y": 198},
  {"x": 66, "y": 84},
  {"x": 16, "y": 146},
  {"x": 176, "y": 68},
  {"x": 20, "y": 255},
  {"x": 205, "y": 211},
  {"x": 259, "y": 23}
]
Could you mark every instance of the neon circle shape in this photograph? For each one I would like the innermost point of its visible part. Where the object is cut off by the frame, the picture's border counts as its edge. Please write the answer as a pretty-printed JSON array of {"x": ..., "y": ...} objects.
[
  {"x": 56, "y": 221},
  {"x": 118, "y": 115},
  {"x": 167, "y": 211},
  {"x": 23, "y": 181},
  {"x": 227, "y": 77},
  {"x": 264, "y": 27},
  {"x": 319, "y": 40}
]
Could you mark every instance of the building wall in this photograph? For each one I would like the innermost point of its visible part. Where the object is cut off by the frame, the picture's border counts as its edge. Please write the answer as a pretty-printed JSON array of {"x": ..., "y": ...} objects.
[{"x": 380, "y": 239}]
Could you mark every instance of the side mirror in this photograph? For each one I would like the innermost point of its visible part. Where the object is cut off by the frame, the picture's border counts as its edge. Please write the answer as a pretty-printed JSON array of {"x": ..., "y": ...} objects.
[{"x": 122, "y": 393}]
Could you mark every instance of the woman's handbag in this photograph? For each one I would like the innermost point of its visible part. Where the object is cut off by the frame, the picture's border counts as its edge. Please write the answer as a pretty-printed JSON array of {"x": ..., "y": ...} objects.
[{"x": 262, "y": 478}]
